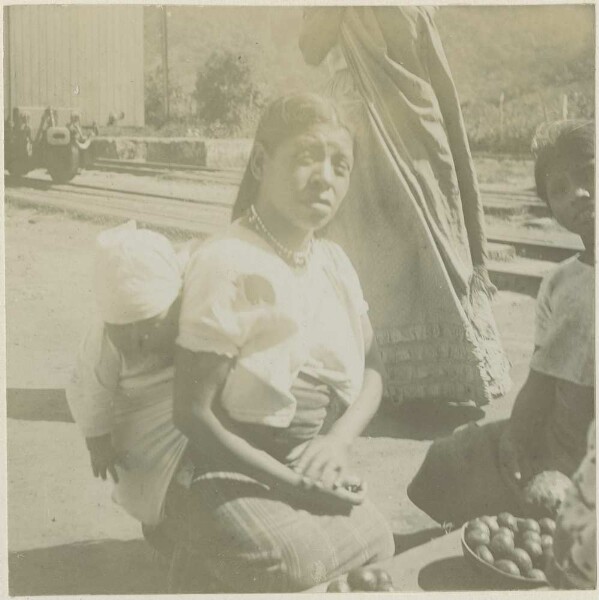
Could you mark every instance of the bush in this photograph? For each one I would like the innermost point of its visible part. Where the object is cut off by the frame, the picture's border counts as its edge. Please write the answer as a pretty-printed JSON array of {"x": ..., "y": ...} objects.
[
  {"x": 155, "y": 112},
  {"x": 521, "y": 116},
  {"x": 229, "y": 101},
  {"x": 153, "y": 98}
]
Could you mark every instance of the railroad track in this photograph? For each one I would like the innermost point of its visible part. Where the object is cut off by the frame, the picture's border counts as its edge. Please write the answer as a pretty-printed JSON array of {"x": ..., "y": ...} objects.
[
  {"x": 170, "y": 170},
  {"x": 518, "y": 257},
  {"x": 46, "y": 185},
  {"x": 194, "y": 216}
]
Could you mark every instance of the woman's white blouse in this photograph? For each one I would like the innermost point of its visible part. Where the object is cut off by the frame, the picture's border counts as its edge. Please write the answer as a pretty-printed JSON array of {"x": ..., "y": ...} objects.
[{"x": 242, "y": 300}]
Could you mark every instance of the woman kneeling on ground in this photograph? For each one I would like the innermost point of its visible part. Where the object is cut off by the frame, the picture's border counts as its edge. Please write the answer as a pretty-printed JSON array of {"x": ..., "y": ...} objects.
[{"x": 274, "y": 337}]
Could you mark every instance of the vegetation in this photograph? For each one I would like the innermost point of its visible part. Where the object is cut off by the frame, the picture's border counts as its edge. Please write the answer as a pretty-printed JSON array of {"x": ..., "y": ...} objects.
[
  {"x": 532, "y": 55},
  {"x": 513, "y": 67},
  {"x": 227, "y": 95}
]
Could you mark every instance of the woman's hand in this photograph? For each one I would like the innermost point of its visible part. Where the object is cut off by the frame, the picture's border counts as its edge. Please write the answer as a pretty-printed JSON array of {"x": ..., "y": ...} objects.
[
  {"x": 324, "y": 461},
  {"x": 103, "y": 456},
  {"x": 325, "y": 458},
  {"x": 348, "y": 491}
]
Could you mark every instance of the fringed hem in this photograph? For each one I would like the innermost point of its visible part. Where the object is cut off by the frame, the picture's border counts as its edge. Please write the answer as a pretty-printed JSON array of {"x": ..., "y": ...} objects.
[
  {"x": 447, "y": 361},
  {"x": 480, "y": 283},
  {"x": 453, "y": 391},
  {"x": 422, "y": 333}
]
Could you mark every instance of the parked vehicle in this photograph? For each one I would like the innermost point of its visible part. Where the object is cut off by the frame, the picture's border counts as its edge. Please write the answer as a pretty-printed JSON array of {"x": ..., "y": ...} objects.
[{"x": 62, "y": 150}]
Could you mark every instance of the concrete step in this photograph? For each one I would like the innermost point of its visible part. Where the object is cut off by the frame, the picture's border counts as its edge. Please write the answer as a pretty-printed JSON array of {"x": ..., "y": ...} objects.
[
  {"x": 522, "y": 275},
  {"x": 501, "y": 252},
  {"x": 545, "y": 245},
  {"x": 202, "y": 152},
  {"x": 502, "y": 207},
  {"x": 504, "y": 201}
]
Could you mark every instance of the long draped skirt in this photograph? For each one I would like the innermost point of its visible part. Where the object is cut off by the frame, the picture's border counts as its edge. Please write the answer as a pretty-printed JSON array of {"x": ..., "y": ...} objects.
[{"x": 412, "y": 222}]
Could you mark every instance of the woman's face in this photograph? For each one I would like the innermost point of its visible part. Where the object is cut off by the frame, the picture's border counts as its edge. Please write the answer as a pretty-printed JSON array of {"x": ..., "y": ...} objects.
[
  {"x": 571, "y": 197},
  {"x": 307, "y": 176}
]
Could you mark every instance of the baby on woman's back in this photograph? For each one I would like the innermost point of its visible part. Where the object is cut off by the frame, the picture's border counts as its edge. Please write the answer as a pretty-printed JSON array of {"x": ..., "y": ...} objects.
[{"x": 121, "y": 391}]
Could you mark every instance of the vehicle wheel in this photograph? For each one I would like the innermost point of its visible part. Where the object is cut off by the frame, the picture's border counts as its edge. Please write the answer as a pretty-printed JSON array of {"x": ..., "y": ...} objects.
[
  {"x": 19, "y": 160},
  {"x": 63, "y": 165},
  {"x": 18, "y": 168}
]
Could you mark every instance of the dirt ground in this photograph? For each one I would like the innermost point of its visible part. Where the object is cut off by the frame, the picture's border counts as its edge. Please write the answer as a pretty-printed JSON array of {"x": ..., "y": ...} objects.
[{"x": 65, "y": 535}]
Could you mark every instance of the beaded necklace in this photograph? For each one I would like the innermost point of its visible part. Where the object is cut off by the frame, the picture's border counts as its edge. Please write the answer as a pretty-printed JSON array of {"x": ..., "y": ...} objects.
[{"x": 295, "y": 258}]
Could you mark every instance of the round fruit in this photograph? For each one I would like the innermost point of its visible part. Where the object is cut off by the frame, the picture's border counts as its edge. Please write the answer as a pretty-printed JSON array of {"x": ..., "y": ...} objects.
[
  {"x": 546, "y": 541},
  {"x": 508, "y": 520},
  {"x": 544, "y": 494},
  {"x": 485, "y": 554},
  {"x": 362, "y": 579},
  {"x": 353, "y": 487},
  {"x": 478, "y": 525},
  {"x": 474, "y": 523},
  {"x": 502, "y": 545},
  {"x": 529, "y": 536},
  {"x": 491, "y": 523},
  {"x": 382, "y": 578},
  {"x": 529, "y": 525},
  {"x": 534, "y": 551},
  {"x": 547, "y": 556},
  {"x": 547, "y": 526},
  {"x": 506, "y": 531},
  {"x": 338, "y": 586},
  {"x": 507, "y": 566},
  {"x": 522, "y": 560},
  {"x": 477, "y": 537},
  {"x": 536, "y": 574},
  {"x": 386, "y": 587}
]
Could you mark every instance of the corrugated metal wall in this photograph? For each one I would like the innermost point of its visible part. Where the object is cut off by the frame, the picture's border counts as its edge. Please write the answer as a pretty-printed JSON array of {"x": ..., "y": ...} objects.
[{"x": 84, "y": 57}]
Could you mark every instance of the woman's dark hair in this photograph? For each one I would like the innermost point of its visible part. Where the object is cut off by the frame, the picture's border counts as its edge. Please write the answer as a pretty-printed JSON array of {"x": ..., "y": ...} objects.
[
  {"x": 568, "y": 142},
  {"x": 284, "y": 118}
]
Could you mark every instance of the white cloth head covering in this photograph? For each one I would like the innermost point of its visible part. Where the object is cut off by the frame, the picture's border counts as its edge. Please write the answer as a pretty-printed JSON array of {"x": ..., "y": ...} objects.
[{"x": 137, "y": 274}]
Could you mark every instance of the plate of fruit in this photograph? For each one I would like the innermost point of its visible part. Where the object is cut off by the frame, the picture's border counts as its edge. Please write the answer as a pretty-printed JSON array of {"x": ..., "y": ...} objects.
[{"x": 510, "y": 551}]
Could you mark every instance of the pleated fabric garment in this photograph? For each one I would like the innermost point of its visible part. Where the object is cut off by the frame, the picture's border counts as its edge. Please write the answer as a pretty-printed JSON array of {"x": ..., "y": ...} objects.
[{"x": 412, "y": 222}]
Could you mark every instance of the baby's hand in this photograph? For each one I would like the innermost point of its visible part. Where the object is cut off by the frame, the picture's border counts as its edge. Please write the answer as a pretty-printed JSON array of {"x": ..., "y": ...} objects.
[{"x": 103, "y": 456}]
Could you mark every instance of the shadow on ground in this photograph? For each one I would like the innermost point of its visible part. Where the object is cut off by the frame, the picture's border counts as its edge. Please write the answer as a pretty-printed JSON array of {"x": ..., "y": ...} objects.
[
  {"x": 422, "y": 420},
  {"x": 37, "y": 405},
  {"x": 407, "y": 541},
  {"x": 129, "y": 567},
  {"x": 18, "y": 182},
  {"x": 95, "y": 567},
  {"x": 450, "y": 575}
]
